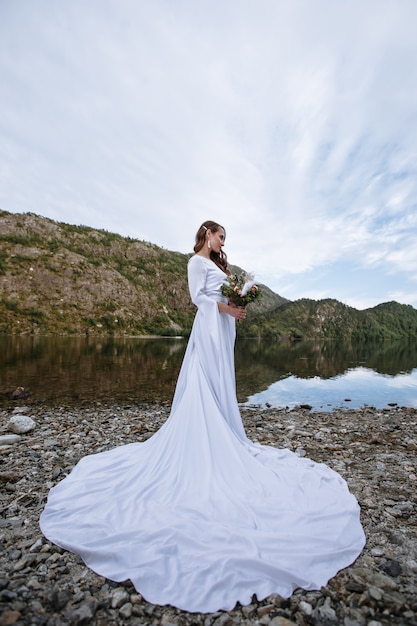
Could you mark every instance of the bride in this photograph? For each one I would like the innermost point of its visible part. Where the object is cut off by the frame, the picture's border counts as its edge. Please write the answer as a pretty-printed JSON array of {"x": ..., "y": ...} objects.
[{"x": 198, "y": 516}]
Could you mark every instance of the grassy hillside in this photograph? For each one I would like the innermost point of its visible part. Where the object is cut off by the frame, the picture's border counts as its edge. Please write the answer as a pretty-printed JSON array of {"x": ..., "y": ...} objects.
[{"x": 60, "y": 278}]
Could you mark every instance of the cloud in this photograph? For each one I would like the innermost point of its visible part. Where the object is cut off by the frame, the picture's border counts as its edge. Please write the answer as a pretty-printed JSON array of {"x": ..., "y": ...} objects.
[{"x": 293, "y": 124}]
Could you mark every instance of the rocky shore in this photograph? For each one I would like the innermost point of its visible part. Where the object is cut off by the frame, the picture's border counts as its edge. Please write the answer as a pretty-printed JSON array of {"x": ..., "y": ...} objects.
[{"x": 375, "y": 451}]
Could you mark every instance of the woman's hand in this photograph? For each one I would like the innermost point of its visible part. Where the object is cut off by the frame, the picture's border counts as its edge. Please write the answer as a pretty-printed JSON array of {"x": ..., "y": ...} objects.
[{"x": 238, "y": 312}]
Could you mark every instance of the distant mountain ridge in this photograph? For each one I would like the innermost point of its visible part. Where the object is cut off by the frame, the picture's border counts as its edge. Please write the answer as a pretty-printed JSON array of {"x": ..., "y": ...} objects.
[
  {"x": 58, "y": 278},
  {"x": 331, "y": 319}
]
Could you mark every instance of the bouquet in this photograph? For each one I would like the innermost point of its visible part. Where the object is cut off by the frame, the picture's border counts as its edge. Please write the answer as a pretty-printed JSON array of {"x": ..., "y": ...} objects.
[{"x": 240, "y": 289}]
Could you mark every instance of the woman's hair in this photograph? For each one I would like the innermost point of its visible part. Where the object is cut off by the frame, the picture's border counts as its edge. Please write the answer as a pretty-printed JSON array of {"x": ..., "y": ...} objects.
[{"x": 219, "y": 258}]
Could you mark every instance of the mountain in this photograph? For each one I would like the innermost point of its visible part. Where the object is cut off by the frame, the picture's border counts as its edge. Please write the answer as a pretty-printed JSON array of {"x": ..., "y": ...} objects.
[
  {"x": 330, "y": 319},
  {"x": 59, "y": 278},
  {"x": 64, "y": 279}
]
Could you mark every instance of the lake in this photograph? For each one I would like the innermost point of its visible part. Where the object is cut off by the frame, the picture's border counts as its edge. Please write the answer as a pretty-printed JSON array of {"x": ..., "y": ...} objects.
[{"x": 326, "y": 375}]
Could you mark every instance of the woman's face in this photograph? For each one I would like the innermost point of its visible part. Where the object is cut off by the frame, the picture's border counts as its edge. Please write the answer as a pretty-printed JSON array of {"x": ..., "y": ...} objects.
[{"x": 217, "y": 240}]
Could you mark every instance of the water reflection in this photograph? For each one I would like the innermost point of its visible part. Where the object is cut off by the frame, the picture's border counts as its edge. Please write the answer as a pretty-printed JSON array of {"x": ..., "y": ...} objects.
[
  {"x": 355, "y": 389},
  {"x": 321, "y": 373},
  {"x": 77, "y": 369},
  {"x": 132, "y": 370}
]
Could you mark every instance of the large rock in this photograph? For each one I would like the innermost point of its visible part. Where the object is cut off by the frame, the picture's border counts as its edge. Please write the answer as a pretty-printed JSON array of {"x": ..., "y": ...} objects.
[{"x": 21, "y": 424}]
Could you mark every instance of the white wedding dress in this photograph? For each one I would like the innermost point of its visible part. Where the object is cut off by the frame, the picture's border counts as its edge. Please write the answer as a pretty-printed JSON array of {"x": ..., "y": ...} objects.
[{"x": 198, "y": 516}]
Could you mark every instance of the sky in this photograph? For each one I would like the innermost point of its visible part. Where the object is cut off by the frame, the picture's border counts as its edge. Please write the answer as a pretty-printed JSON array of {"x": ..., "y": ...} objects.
[{"x": 291, "y": 123}]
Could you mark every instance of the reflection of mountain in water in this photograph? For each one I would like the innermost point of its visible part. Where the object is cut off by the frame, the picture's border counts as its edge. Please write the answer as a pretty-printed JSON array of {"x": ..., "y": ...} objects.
[
  {"x": 65, "y": 369},
  {"x": 260, "y": 363},
  {"x": 132, "y": 370}
]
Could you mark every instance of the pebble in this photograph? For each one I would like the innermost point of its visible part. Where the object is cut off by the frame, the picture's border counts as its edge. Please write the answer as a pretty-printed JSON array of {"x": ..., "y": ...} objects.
[
  {"x": 281, "y": 621},
  {"x": 305, "y": 607},
  {"x": 119, "y": 597},
  {"x": 126, "y": 610},
  {"x": 374, "y": 451},
  {"x": 6, "y": 440}
]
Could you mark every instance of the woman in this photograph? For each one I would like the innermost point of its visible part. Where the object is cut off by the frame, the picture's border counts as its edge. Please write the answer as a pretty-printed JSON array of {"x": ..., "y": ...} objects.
[{"x": 198, "y": 516}]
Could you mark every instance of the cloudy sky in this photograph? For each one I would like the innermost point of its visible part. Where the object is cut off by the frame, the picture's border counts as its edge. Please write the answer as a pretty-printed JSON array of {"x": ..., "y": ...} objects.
[{"x": 293, "y": 123}]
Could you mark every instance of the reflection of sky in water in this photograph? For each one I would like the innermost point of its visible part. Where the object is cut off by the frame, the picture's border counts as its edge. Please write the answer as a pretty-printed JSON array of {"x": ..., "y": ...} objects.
[{"x": 361, "y": 385}]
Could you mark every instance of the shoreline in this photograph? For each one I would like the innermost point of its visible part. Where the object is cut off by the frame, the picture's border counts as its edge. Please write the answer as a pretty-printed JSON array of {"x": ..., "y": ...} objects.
[{"x": 375, "y": 451}]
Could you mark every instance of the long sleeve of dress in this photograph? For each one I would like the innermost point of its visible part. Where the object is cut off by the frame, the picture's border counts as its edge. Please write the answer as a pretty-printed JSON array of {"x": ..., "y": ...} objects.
[{"x": 197, "y": 274}]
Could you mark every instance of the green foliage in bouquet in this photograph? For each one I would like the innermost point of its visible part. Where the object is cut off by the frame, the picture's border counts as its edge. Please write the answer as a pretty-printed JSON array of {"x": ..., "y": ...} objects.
[{"x": 240, "y": 289}]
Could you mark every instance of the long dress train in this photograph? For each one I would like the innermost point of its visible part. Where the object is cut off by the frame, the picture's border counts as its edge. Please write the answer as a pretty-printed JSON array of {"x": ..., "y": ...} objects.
[{"x": 198, "y": 516}]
